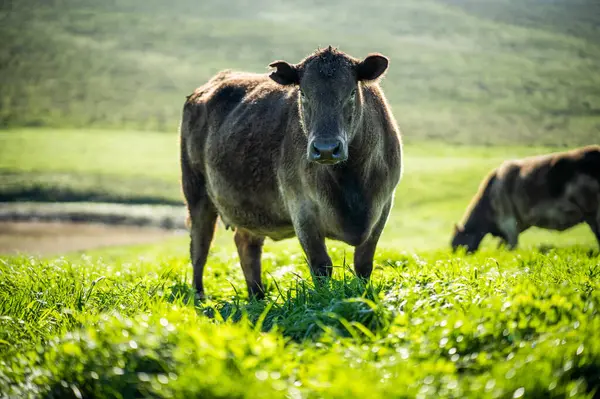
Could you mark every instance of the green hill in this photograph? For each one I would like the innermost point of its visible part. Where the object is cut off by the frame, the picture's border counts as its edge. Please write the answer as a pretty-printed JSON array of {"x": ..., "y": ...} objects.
[{"x": 484, "y": 72}]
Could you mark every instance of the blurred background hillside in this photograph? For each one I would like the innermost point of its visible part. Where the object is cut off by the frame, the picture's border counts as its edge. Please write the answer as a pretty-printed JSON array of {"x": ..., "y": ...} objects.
[{"x": 462, "y": 71}]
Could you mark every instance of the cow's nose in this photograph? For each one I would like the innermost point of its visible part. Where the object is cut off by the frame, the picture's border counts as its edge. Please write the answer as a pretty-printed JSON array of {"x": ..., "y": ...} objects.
[{"x": 329, "y": 152}]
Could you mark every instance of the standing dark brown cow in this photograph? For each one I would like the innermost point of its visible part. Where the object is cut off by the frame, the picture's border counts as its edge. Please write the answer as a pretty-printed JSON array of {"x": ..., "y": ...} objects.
[
  {"x": 310, "y": 150},
  {"x": 555, "y": 191}
]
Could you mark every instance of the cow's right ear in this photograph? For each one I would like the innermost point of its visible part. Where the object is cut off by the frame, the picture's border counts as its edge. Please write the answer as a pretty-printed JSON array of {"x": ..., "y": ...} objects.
[{"x": 284, "y": 73}]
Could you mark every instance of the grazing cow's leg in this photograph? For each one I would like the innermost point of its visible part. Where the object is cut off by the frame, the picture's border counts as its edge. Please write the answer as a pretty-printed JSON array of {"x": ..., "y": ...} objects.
[
  {"x": 250, "y": 250},
  {"x": 204, "y": 218},
  {"x": 314, "y": 247},
  {"x": 511, "y": 231},
  {"x": 594, "y": 223},
  {"x": 312, "y": 242},
  {"x": 597, "y": 232},
  {"x": 501, "y": 243},
  {"x": 364, "y": 253}
]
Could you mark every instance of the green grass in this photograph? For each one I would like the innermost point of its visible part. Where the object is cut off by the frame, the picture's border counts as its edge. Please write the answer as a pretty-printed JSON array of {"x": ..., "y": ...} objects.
[
  {"x": 76, "y": 165},
  {"x": 122, "y": 322},
  {"x": 479, "y": 72},
  {"x": 497, "y": 324}
]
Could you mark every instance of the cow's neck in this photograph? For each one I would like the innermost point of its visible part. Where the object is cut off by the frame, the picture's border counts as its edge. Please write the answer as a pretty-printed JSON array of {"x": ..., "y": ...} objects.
[
  {"x": 350, "y": 180},
  {"x": 347, "y": 190},
  {"x": 482, "y": 217}
]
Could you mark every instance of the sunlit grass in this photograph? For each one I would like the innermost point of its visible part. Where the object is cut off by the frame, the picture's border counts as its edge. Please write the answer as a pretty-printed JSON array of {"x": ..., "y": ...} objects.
[{"x": 435, "y": 325}]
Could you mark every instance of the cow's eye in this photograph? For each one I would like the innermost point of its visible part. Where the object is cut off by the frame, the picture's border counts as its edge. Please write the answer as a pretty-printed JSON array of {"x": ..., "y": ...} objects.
[{"x": 302, "y": 96}]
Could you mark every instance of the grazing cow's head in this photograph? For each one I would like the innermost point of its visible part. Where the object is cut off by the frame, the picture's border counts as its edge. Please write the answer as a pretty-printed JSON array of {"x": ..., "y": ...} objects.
[
  {"x": 467, "y": 238},
  {"x": 330, "y": 98}
]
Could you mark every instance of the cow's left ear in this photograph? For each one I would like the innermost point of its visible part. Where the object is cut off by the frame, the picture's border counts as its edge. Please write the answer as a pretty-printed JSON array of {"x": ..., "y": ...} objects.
[
  {"x": 372, "y": 67},
  {"x": 284, "y": 73}
]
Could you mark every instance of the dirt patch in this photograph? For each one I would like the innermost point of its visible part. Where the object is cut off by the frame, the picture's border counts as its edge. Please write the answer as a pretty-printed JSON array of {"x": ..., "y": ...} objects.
[
  {"x": 158, "y": 216},
  {"x": 48, "y": 238}
]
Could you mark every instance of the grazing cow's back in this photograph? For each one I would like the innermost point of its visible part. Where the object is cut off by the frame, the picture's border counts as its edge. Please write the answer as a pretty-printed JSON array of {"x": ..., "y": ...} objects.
[
  {"x": 555, "y": 191},
  {"x": 310, "y": 150}
]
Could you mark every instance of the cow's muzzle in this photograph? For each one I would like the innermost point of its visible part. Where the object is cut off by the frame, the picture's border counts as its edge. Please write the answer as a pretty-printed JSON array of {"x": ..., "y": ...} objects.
[{"x": 330, "y": 151}]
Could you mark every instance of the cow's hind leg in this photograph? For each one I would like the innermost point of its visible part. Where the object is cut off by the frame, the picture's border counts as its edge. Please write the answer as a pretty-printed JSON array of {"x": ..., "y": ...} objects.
[
  {"x": 203, "y": 217},
  {"x": 250, "y": 251}
]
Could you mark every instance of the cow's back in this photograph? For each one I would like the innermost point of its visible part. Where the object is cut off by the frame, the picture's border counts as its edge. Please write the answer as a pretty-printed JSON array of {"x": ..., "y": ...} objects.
[
  {"x": 227, "y": 96},
  {"x": 589, "y": 163},
  {"x": 238, "y": 125},
  {"x": 555, "y": 191}
]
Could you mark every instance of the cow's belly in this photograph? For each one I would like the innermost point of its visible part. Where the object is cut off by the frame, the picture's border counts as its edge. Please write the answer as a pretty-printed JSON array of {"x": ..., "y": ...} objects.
[
  {"x": 556, "y": 215},
  {"x": 252, "y": 206},
  {"x": 256, "y": 219},
  {"x": 581, "y": 198}
]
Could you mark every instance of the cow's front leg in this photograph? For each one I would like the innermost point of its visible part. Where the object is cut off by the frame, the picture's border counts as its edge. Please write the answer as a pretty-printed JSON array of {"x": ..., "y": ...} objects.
[
  {"x": 513, "y": 242},
  {"x": 594, "y": 222},
  {"x": 501, "y": 243},
  {"x": 312, "y": 241},
  {"x": 364, "y": 253},
  {"x": 510, "y": 229}
]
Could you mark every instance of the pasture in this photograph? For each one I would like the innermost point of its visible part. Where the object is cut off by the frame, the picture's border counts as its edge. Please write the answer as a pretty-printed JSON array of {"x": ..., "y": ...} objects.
[
  {"x": 90, "y": 97},
  {"x": 122, "y": 321}
]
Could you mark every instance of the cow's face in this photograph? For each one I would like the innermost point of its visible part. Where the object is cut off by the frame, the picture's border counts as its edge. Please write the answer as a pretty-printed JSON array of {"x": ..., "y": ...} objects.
[
  {"x": 467, "y": 238},
  {"x": 329, "y": 98}
]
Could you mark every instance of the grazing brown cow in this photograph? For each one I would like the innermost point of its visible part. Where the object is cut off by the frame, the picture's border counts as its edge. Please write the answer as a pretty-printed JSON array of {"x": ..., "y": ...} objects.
[
  {"x": 555, "y": 191},
  {"x": 310, "y": 150}
]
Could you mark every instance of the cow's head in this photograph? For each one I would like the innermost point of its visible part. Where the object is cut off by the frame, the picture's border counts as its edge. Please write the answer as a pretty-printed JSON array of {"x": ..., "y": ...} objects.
[
  {"x": 330, "y": 98},
  {"x": 467, "y": 238}
]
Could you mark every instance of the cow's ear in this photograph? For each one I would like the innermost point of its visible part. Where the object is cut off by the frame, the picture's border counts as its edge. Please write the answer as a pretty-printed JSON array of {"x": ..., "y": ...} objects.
[
  {"x": 284, "y": 73},
  {"x": 372, "y": 67}
]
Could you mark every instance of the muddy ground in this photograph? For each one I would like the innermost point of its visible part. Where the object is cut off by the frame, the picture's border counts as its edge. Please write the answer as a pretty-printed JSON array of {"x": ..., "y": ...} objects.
[
  {"x": 53, "y": 238},
  {"x": 57, "y": 228}
]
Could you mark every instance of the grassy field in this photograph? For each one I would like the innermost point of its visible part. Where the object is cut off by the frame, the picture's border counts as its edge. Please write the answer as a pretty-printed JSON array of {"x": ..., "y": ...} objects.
[
  {"x": 111, "y": 166},
  {"x": 91, "y": 96},
  {"x": 463, "y": 71},
  {"x": 122, "y": 322}
]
